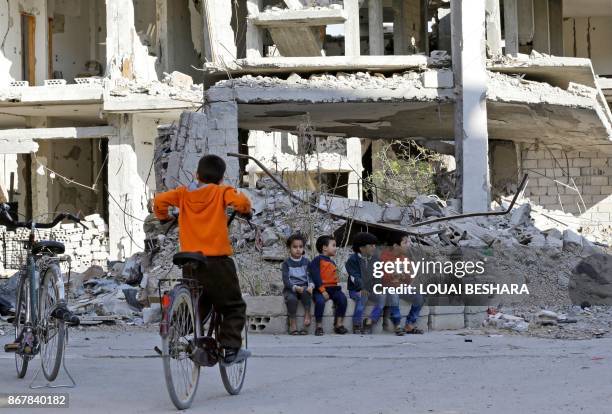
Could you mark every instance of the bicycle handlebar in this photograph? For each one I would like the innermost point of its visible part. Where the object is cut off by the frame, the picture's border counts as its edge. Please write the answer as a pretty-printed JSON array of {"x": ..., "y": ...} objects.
[{"x": 6, "y": 217}]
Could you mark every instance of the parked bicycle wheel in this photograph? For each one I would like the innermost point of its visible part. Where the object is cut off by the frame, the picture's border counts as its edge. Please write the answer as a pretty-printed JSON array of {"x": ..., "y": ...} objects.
[
  {"x": 52, "y": 330},
  {"x": 233, "y": 375},
  {"x": 21, "y": 312},
  {"x": 182, "y": 373}
]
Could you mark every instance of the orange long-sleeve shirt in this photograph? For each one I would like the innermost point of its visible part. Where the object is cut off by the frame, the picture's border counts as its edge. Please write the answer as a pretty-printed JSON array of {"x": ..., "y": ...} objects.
[{"x": 202, "y": 218}]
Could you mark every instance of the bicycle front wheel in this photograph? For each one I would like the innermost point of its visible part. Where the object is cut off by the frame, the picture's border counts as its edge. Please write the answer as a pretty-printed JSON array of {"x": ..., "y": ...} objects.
[
  {"x": 233, "y": 375},
  {"x": 21, "y": 313},
  {"x": 181, "y": 372},
  {"x": 53, "y": 330}
]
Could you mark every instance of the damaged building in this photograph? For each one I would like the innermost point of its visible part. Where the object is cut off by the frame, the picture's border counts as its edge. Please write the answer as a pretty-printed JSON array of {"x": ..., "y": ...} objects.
[{"x": 502, "y": 87}]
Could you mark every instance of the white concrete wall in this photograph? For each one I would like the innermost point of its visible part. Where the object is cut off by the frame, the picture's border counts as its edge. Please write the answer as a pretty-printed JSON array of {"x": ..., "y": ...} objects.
[
  {"x": 10, "y": 54},
  {"x": 129, "y": 160},
  {"x": 590, "y": 37}
]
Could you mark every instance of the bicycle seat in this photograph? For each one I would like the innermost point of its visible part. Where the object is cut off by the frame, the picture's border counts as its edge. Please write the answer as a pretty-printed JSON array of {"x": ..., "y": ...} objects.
[
  {"x": 51, "y": 246},
  {"x": 182, "y": 258}
]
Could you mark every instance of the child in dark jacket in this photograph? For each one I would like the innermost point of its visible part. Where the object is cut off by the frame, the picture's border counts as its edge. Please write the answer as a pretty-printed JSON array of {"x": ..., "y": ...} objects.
[
  {"x": 359, "y": 269},
  {"x": 297, "y": 282},
  {"x": 324, "y": 274}
]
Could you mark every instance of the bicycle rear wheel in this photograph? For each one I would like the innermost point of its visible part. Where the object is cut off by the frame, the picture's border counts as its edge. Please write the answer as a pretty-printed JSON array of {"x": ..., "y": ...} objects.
[
  {"x": 21, "y": 311},
  {"x": 181, "y": 372},
  {"x": 233, "y": 375},
  {"x": 52, "y": 330}
]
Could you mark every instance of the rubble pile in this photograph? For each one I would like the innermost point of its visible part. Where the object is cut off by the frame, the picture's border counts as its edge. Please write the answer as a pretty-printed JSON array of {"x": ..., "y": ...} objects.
[{"x": 175, "y": 85}]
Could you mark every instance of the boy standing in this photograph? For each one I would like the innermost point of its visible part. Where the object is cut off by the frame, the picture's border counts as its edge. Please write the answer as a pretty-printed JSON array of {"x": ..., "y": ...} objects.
[
  {"x": 298, "y": 285},
  {"x": 203, "y": 228},
  {"x": 358, "y": 266},
  {"x": 324, "y": 274}
]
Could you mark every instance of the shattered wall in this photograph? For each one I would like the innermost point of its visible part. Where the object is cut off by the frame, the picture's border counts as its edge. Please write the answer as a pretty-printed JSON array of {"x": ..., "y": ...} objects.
[{"x": 592, "y": 173}]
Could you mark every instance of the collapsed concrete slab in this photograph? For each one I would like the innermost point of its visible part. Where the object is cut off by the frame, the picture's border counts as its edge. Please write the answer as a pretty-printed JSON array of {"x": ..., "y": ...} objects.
[{"x": 400, "y": 106}]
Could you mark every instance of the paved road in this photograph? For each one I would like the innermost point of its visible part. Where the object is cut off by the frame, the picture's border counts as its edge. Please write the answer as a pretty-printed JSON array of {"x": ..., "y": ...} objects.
[{"x": 434, "y": 373}]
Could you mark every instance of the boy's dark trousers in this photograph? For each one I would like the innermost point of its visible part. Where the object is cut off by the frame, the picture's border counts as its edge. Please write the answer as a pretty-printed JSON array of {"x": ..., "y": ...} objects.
[
  {"x": 292, "y": 298},
  {"x": 336, "y": 295},
  {"x": 222, "y": 290}
]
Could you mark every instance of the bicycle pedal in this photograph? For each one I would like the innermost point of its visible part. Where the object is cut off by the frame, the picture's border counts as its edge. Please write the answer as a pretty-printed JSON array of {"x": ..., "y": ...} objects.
[{"x": 157, "y": 350}]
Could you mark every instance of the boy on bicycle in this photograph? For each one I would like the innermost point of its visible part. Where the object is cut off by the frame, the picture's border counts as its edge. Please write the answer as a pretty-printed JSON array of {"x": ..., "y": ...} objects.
[{"x": 203, "y": 228}]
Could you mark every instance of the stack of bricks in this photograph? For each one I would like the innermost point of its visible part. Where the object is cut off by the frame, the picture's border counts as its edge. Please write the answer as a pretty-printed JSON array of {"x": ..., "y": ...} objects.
[
  {"x": 85, "y": 247},
  {"x": 592, "y": 173}
]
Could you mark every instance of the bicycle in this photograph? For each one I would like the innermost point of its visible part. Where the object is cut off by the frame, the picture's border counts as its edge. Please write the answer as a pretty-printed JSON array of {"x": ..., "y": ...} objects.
[
  {"x": 41, "y": 313},
  {"x": 184, "y": 348}
]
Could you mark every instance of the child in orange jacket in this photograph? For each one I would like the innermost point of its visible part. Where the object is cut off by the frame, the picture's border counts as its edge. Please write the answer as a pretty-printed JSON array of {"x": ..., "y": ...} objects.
[
  {"x": 324, "y": 274},
  {"x": 203, "y": 228}
]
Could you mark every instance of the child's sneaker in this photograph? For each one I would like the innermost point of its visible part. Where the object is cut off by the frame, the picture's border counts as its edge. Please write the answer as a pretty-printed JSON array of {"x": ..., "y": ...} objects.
[
  {"x": 340, "y": 330},
  {"x": 319, "y": 331},
  {"x": 357, "y": 329},
  {"x": 399, "y": 331}
]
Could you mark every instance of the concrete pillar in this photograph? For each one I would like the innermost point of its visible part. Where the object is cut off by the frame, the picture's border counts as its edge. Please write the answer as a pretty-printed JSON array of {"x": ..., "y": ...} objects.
[
  {"x": 220, "y": 47},
  {"x": 375, "y": 27},
  {"x": 471, "y": 135},
  {"x": 351, "y": 28},
  {"x": 222, "y": 136},
  {"x": 254, "y": 35},
  {"x": 353, "y": 153},
  {"x": 39, "y": 182},
  {"x": 42, "y": 43},
  {"x": 493, "y": 27},
  {"x": 127, "y": 203},
  {"x": 541, "y": 35},
  {"x": 511, "y": 32},
  {"x": 407, "y": 27},
  {"x": 119, "y": 22},
  {"x": 525, "y": 21},
  {"x": 555, "y": 13},
  {"x": 161, "y": 8}
]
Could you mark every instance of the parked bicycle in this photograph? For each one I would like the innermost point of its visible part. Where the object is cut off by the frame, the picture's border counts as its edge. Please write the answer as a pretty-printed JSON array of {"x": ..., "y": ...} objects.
[
  {"x": 189, "y": 342},
  {"x": 41, "y": 312}
]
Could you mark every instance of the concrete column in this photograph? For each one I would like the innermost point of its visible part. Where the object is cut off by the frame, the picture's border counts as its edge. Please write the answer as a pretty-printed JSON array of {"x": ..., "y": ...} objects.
[
  {"x": 375, "y": 27},
  {"x": 42, "y": 43},
  {"x": 493, "y": 27},
  {"x": 161, "y": 7},
  {"x": 220, "y": 47},
  {"x": 351, "y": 28},
  {"x": 222, "y": 136},
  {"x": 511, "y": 27},
  {"x": 541, "y": 36},
  {"x": 119, "y": 22},
  {"x": 471, "y": 135},
  {"x": 555, "y": 12},
  {"x": 525, "y": 21},
  {"x": 254, "y": 36},
  {"x": 127, "y": 203},
  {"x": 39, "y": 183},
  {"x": 407, "y": 27},
  {"x": 353, "y": 153}
]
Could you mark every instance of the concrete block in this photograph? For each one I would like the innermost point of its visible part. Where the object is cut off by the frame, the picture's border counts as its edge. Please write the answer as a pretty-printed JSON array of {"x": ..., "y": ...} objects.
[
  {"x": 438, "y": 79},
  {"x": 265, "y": 305},
  {"x": 267, "y": 324},
  {"x": 446, "y": 310},
  {"x": 474, "y": 320},
  {"x": 440, "y": 322},
  {"x": 602, "y": 181}
]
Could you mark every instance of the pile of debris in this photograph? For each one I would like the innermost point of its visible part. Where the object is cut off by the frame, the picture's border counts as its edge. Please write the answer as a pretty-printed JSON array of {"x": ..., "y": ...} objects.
[{"x": 175, "y": 85}]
